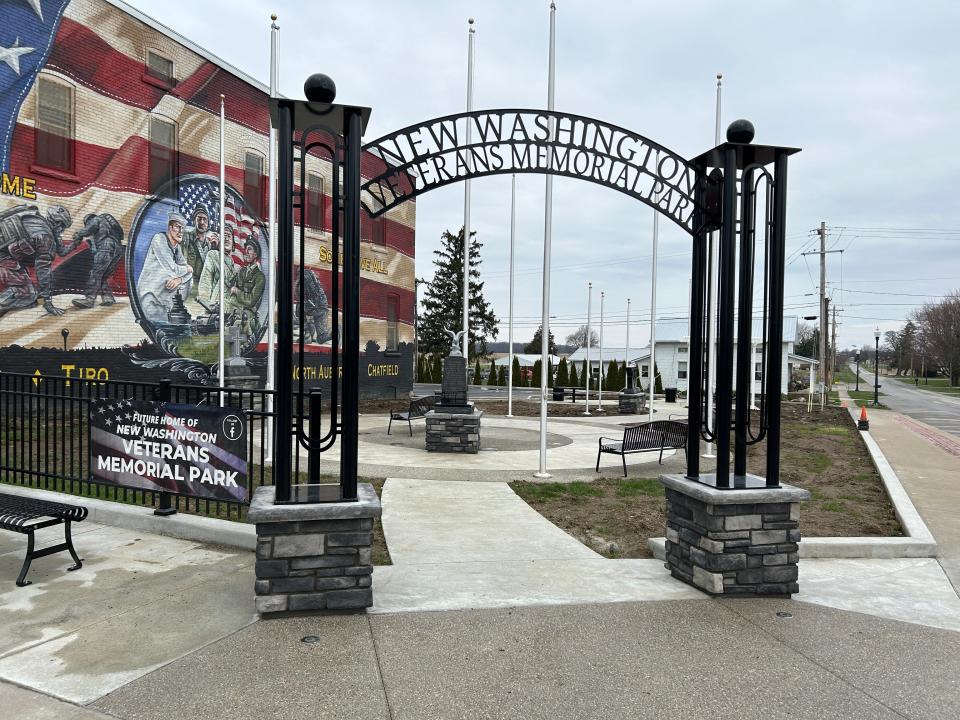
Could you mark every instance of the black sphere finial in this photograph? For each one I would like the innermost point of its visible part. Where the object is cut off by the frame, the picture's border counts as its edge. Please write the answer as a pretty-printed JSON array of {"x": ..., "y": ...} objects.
[
  {"x": 320, "y": 88},
  {"x": 740, "y": 131}
]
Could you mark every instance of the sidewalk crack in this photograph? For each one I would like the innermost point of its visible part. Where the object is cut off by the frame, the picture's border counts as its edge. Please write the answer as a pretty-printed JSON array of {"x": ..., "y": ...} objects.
[{"x": 376, "y": 655}]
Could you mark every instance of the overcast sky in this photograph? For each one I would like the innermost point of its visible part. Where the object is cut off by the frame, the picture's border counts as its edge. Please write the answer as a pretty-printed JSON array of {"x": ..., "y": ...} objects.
[{"x": 868, "y": 90}]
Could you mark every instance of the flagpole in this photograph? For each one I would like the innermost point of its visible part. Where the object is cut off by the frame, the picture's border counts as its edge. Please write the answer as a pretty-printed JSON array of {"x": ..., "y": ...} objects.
[
  {"x": 586, "y": 372},
  {"x": 547, "y": 239},
  {"x": 712, "y": 345},
  {"x": 272, "y": 238},
  {"x": 223, "y": 264},
  {"x": 653, "y": 311},
  {"x": 626, "y": 358},
  {"x": 600, "y": 376},
  {"x": 466, "y": 204},
  {"x": 513, "y": 232}
]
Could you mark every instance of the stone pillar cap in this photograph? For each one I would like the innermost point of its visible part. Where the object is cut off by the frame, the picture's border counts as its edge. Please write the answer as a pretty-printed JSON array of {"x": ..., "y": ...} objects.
[
  {"x": 264, "y": 510},
  {"x": 713, "y": 496}
]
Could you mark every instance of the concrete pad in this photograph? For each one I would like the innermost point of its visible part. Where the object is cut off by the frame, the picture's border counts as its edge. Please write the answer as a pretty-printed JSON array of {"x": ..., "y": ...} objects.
[
  {"x": 476, "y": 585},
  {"x": 122, "y": 570},
  {"x": 86, "y": 664},
  {"x": 24, "y": 704},
  {"x": 265, "y": 671},
  {"x": 655, "y": 660},
  {"x": 138, "y": 602},
  {"x": 912, "y": 590},
  {"x": 859, "y": 649},
  {"x": 426, "y": 521}
]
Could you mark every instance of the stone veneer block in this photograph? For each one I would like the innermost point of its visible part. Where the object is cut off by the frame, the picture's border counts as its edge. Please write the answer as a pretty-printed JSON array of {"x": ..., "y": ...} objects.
[
  {"x": 313, "y": 557},
  {"x": 733, "y": 542},
  {"x": 453, "y": 432},
  {"x": 630, "y": 403}
]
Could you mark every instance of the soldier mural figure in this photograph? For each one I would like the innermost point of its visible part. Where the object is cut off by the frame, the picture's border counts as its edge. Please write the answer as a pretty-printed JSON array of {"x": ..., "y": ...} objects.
[
  {"x": 208, "y": 288},
  {"x": 198, "y": 240},
  {"x": 104, "y": 236},
  {"x": 28, "y": 238},
  {"x": 165, "y": 273},
  {"x": 246, "y": 291},
  {"x": 316, "y": 309}
]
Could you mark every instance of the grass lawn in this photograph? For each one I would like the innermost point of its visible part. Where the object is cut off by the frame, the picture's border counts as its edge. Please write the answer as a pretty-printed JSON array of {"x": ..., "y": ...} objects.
[
  {"x": 939, "y": 385},
  {"x": 821, "y": 451}
]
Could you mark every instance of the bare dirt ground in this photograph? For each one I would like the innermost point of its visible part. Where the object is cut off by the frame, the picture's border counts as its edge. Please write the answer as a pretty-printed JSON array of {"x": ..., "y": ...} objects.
[{"x": 821, "y": 451}]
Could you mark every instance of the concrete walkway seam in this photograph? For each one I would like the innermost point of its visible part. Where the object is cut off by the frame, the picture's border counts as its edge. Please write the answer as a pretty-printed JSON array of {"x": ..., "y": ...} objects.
[{"x": 211, "y": 531}]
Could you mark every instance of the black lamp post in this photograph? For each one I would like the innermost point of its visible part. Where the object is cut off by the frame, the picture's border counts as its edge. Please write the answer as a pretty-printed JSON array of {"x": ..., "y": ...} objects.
[
  {"x": 858, "y": 371},
  {"x": 876, "y": 368}
]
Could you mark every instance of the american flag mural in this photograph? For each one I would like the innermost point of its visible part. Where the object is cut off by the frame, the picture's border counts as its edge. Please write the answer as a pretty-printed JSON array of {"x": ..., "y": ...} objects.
[{"x": 109, "y": 123}]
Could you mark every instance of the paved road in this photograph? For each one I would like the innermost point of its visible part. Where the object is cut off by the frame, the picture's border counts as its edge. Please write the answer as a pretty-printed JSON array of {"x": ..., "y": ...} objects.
[{"x": 933, "y": 408}]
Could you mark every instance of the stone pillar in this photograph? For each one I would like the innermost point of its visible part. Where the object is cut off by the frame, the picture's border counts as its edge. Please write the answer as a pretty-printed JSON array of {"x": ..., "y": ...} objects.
[
  {"x": 630, "y": 403},
  {"x": 740, "y": 542},
  {"x": 453, "y": 432},
  {"x": 314, "y": 556}
]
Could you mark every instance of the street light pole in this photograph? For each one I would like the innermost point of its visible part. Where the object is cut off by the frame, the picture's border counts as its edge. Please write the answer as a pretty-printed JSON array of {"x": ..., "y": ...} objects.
[
  {"x": 858, "y": 371},
  {"x": 586, "y": 369},
  {"x": 600, "y": 377},
  {"x": 876, "y": 368}
]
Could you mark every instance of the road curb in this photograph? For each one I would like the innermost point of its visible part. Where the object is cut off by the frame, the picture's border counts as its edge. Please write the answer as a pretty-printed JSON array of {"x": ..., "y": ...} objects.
[{"x": 210, "y": 531}]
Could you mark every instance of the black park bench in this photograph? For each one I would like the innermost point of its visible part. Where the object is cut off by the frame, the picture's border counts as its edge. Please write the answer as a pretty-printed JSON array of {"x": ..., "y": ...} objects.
[
  {"x": 418, "y": 409},
  {"x": 26, "y": 515},
  {"x": 647, "y": 437}
]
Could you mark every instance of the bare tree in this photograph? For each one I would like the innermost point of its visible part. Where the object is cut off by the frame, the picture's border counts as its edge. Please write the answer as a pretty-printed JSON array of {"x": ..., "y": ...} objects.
[
  {"x": 938, "y": 334},
  {"x": 578, "y": 338}
]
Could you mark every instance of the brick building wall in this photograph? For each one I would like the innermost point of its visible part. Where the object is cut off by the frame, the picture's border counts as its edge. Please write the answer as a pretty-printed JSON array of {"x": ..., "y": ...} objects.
[{"x": 115, "y": 119}]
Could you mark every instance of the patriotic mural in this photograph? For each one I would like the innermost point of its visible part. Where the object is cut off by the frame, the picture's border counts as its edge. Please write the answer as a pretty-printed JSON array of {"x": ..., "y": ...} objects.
[
  {"x": 174, "y": 267},
  {"x": 110, "y": 227}
]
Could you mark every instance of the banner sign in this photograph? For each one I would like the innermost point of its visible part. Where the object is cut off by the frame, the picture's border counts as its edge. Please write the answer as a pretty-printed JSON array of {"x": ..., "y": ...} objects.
[{"x": 166, "y": 447}]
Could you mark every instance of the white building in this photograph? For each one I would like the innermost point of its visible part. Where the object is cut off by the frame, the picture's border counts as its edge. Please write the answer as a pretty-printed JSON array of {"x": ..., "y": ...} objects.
[{"x": 673, "y": 354}]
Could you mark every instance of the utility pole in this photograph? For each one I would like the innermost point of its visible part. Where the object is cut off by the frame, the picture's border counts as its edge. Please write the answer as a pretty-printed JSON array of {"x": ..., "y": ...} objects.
[
  {"x": 833, "y": 344},
  {"x": 824, "y": 319}
]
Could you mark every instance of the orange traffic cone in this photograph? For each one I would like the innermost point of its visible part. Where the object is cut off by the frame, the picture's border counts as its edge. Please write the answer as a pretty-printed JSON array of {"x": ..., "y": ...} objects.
[{"x": 863, "y": 423}]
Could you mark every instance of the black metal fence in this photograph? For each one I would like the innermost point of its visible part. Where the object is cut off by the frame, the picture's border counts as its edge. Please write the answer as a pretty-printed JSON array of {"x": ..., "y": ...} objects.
[{"x": 44, "y": 436}]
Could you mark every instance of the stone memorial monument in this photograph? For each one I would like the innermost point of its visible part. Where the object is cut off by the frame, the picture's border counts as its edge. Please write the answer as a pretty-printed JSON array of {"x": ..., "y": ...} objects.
[
  {"x": 630, "y": 399},
  {"x": 454, "y": 426}
]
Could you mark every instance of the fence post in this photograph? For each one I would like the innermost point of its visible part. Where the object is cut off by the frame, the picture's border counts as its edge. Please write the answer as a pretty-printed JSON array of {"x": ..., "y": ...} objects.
[
  {"x": 163, "y": 393},
  {"x": 314, "y": 410}
]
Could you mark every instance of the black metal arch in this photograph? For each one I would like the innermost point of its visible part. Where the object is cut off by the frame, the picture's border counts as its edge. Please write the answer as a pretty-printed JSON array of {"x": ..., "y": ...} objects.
[{"x": 448, "y": 149}]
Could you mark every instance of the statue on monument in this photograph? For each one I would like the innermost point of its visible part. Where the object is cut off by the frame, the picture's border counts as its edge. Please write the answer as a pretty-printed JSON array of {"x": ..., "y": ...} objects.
[{"x": 455, "y": 338}]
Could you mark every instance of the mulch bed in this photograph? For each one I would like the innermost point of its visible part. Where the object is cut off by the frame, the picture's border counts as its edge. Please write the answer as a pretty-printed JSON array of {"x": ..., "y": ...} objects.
[
  {"x": 521, "y": 408},
  {"x": 821, "y": 451}
]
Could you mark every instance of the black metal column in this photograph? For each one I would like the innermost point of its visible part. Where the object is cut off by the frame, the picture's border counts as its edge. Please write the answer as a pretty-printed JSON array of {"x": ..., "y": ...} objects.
[
  {"x": 349, "y": 404},
  {"x": 774, "y": 365},
  {"x": 726, "y": 274},
  {"x": 698, "y": 283},
  {"x": 744, "y": 325},
  {"x": 283, "y": 399}
]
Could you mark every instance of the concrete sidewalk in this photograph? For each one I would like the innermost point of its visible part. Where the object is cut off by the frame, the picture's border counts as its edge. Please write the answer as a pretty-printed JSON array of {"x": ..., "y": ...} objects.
[
  {"x": 717, "y": 659},
  {"x": 927, "y": 461}
]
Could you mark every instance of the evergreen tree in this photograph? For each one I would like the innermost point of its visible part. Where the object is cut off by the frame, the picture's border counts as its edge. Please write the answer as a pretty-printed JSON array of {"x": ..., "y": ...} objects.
[
  {"x": 535, "y": 346},
  {"x": 492, "y": 376},
  {"x": 502, "y": 376},
  {"x": 658, "y": 384},
  {"x": 477, "y": 373},
  {"x": 550, "y": 372},
  {"x": 517, "y": 377},
  {"x": 436, "y": 370},
  {"x": 537, "y": 370},
  {"x": 573, "y": 381},
  {"x": 443, "y": 302},
  {"x": 563, "y": 376},
  {"x": 584, "y": 375}
]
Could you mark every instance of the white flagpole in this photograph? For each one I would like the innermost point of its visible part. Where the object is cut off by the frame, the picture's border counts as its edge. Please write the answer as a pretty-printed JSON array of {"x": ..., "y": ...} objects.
[
  {"x": 272, "y": 237},
  {"x": 223, "y": 264},
  {"x": 586, "y": 372},
  {"x": 653, "y": 313},
  {"x": 513, "y": 232},
  {"x": 712, "y": 348},
  {"x": 466, "y": 205},
  {"x": 547, "y": 238},
  {"x": 626, "y": 358},
  {"x": 600, "y": 377}
]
